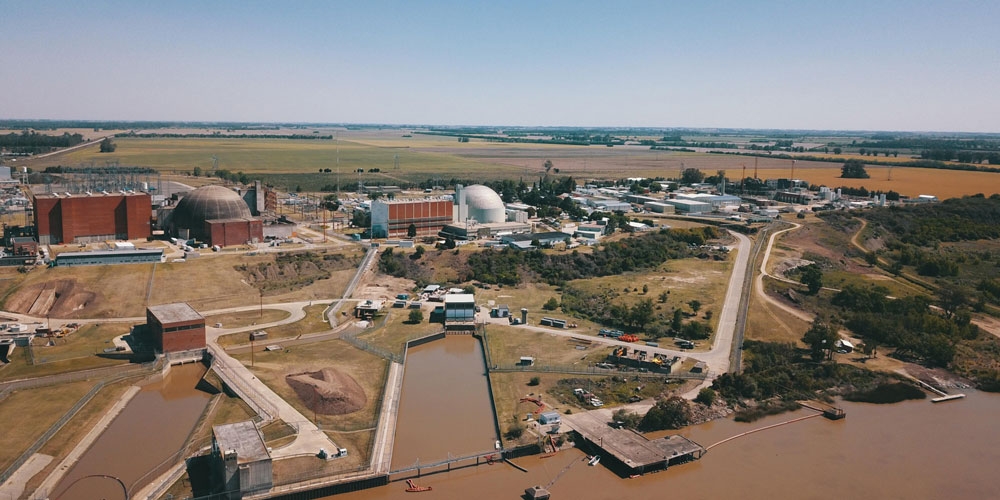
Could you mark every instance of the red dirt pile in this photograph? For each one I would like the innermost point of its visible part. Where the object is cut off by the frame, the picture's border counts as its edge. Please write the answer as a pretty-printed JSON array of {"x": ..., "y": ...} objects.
[{"x": 328, "y": 391}]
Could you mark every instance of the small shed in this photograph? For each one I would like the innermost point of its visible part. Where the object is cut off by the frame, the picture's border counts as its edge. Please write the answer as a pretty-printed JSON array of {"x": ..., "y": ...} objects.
[
  {"x": 844, "y": 345},
  {"x": 549, "y": 417},
  {"x": 501, "y": 311},
  {"x": 699, "y": 367},
  {"x": 367, "y": 309},
  {"x": 526, "y": 361}
]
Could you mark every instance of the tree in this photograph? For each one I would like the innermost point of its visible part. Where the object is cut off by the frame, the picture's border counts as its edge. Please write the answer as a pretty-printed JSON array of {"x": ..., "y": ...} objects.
[
  {"x": 645, "y": 289},
  {"x": 820, "y": 338},
  {"x": 952, "y": 298},
  {"x": 871, "y": 258},
  {"x": 672, "y": 413},
  {"x": 547, "y": 165},
  {"x": 837, "y": 151},
  {"x": 706, "y": 396},
  {"x": 196, "y": 171},
  {"x": 416, "y": 316},
  {"x": 551, "y": 305},
  {"x": 108, "y": 146},
  {"x": 664, "y": 295},
  {"x": 628, "y": 419},
  {"x": 411, "y": 231},
  {"x": 692, "y": 176},
  {"x": 853, "y": 169},
  {"x": 535, "y": 381},
  {"x": 812, "y": 278},
  {"x": 678, "y": 321},
  {"x": 642, "y": 313},
  {"x": 695, "y": 305}
]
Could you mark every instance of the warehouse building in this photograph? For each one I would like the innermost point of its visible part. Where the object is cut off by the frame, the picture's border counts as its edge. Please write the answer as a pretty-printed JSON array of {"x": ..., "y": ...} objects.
[
  {"x": 659, "y": 207},
  {"x": 689, "y": 206},
  {"x": 175, "y": 327},
  {"x": 459, "y": 311},
  {"x": 215, "y": 215},
  {"x": 84, "y": 218},
  {"x": 240, "y": 459},
  {"x": 106, "y": 257}
]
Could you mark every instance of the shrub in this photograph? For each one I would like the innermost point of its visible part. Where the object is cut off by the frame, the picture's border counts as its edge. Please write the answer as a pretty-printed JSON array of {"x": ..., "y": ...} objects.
[{"x": 534, "y": 381}]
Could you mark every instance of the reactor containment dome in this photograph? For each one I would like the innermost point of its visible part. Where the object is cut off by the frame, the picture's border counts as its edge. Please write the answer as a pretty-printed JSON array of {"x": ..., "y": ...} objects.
[{"x": 481, "y": 204}]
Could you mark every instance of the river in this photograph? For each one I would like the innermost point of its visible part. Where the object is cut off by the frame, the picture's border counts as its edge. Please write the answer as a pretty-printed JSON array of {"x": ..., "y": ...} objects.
[
  {"x": 151, "y": 428},
  {"x": 912, "y": 450}
]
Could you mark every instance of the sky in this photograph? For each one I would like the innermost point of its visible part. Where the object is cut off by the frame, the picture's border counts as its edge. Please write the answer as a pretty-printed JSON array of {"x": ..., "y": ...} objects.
[{"x": 822, "y": 65}]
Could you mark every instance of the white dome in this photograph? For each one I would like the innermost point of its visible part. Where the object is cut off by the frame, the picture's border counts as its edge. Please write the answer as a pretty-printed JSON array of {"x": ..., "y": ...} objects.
[{"x": 485, "y": 205}]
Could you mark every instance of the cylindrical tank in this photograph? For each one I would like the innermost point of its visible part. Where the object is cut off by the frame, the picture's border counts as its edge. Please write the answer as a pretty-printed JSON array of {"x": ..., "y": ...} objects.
[{"x": 524, "y": 316}]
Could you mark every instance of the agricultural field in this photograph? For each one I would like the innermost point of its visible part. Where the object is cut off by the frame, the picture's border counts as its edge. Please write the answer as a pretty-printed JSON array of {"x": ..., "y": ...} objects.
[{"x": 299, "y": 163}]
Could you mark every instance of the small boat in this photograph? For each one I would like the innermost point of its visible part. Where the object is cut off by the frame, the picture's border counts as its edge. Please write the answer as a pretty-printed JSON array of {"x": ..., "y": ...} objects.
[
  {"x": 594, "y": 460},
  {"x": 413, "y": 488}
]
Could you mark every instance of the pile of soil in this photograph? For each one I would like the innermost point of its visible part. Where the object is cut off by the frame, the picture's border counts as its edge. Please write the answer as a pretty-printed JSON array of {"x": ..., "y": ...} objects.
[
  {"x": 64, "y": 298},
  {"x": 328, "y": 391}
]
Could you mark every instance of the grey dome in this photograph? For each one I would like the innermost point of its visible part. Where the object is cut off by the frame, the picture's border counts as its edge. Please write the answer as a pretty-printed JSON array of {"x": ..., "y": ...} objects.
[
  {"x": 485, "y": 205},
  {"x": 208, "y": 203}
]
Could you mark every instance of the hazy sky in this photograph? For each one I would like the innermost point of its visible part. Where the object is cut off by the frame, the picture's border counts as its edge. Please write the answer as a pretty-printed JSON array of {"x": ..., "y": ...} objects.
[{"x": 872, "y": 65}]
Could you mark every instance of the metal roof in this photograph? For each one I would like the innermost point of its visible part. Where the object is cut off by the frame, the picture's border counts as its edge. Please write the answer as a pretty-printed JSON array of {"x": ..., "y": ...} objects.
[{"x": 242, "y": 437}]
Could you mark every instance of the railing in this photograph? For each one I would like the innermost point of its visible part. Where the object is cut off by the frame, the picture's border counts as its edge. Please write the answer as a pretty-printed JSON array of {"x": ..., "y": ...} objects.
[{"x": 62, "y": 378}]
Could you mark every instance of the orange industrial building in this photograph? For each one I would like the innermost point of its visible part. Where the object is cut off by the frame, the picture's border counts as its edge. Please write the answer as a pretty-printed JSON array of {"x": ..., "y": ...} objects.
[
  {"x": 175, "y": 327},
  {"x": 392, "y": 219},
  {"x": 82, "y": 218}
]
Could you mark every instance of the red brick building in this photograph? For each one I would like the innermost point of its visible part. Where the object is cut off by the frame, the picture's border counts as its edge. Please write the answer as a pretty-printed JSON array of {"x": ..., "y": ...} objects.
[
  {"x": 226, "y": 232},
  {"x": 175, "y": 327},
  {"x": 82, "y": 218}
]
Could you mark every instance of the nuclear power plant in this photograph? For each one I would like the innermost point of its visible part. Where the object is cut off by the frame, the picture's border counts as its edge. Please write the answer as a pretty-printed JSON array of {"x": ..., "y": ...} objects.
[{"x": 473, "y": 212}]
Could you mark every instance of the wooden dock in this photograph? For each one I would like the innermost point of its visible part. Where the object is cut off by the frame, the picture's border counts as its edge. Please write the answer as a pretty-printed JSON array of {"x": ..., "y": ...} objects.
[{"x": 627, "y": 452}]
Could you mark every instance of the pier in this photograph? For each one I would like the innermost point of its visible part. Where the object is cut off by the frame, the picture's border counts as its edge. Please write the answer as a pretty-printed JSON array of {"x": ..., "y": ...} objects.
[{"x": 628, "y": 453}]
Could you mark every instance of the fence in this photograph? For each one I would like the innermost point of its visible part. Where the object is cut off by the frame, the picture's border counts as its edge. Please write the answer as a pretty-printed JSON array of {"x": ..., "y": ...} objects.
[
  {"x": 56, "y": 427},
  {"x": 62, "y": 378},
  {"x": 352, "y": 338}
]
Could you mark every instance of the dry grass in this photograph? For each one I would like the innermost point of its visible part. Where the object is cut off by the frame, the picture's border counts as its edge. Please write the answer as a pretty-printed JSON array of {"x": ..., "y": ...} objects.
[
  {"x": 40, "y": 407},
  {"x": 89, "y": 340},
  {"x": 19, "y": 368},
  {"x": 509, "y": 388},
  {"x": 508, "y": 344},
  {"x": 246, "y": 318},
  {"x": 768, "y": 323},
  {"x": 368, "y": 370},
  {"x": 396, "y": 330}
]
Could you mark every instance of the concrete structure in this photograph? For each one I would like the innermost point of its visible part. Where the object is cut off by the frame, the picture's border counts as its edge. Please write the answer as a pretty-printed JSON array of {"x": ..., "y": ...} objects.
[
  {"x": 479, "y": 203},
  {"x": 240, "y": 459},
  {"x": 214, "y": 211},
  {"x": 472, "y": 230},
  {"x": 367, "y": 309},
  {"x": 108, "y": 257},
  {"x": 392, "y": 219},
  {"x": 459, "y": 311},
  {"x": 627, "y": 452},
  {"x": 175, "y": 327},
  {"x": 66, "y": 218}
]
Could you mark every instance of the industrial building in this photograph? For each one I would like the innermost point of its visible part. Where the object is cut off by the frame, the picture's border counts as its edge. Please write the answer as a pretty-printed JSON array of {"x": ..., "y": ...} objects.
[
  {"x": 524, "y": 241},
  {"x": 459, "y": 311},
  {"x": 392, "y": 219},
  {"x": 175, "y": 327},
  {"x": 106, "y": 257},
  {"x": 659, "y": 207},
  {"x": 215, "y": 215},
  {"x": 84, "y": 218},
  {"x": 689, "y": 206},
  {"x": 240, "y": 460}
]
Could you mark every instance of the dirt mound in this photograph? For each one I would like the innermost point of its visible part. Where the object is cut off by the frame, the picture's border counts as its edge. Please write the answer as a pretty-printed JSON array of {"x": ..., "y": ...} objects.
[
  {"x": 60, "y": 298},
  {"x": 328, "y": 391}
]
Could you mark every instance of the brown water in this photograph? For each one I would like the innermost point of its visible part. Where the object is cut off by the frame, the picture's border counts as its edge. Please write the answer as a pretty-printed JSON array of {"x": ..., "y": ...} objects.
[
  {"x": 912, "y": 450},
  {"x": 444, "y": 406},
  {"x": 151, "y": 428}
]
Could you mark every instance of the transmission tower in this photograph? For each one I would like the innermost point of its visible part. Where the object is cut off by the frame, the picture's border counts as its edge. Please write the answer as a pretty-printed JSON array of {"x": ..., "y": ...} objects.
[{"x": 395, "y": 162}]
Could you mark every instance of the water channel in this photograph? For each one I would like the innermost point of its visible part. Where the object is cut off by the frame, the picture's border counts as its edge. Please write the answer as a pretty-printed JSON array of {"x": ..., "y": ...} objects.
[
  {"x": 151, "y": 428},
  {"x": 909, "y": 450},
  {"x": 444, "y": 407}
]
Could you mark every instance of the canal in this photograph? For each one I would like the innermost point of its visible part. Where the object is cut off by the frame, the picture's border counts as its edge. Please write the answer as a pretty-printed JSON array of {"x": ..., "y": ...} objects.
[
  {"x": 914, "y": 450},
  {"x": 444, "y": 407},
  {"x": 151, "y": 428}
]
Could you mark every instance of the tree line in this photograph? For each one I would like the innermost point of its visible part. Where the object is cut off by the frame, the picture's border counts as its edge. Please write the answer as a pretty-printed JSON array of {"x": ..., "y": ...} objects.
[{"x": 33, "y": 143}]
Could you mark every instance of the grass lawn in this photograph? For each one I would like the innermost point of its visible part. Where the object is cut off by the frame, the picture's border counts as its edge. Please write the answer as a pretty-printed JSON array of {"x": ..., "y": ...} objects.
[
  {"x": 246, "y": 318},
  {"x": 394, "y": 330},
  {"x": 41, "y": 407},
  {"x": 508, "y": 344},
  {"x": 89, "y": 340},
  {"x": 769, "y": 323},
  {"x": 368, "y": 370}
]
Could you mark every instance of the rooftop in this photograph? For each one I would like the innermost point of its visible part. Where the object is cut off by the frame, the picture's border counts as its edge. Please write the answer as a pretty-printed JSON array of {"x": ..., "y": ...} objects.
[
  {"x": 459, "y": 298},
  {"x": 630, "y": 447},
  {"x": 244, "y": 439},
  {"x": 172, "y": 313}
]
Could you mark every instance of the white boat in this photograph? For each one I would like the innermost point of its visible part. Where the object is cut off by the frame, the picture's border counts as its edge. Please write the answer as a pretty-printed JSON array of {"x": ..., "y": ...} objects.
[{"x": 594, "y": 460}]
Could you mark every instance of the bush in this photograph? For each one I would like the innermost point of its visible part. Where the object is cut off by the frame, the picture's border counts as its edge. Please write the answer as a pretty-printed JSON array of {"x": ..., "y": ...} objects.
[
  {"x": 706, "y": 396},
  {"x": 672, "y": 413},
  {"x": 534, "y": 381},
  {"x": 887, "y": 393},
  {"x": 416, "y": 316},
  {"x": 551, "y": 305},
  {"x": 514, "y": 432}
]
